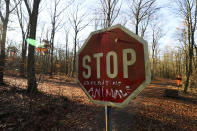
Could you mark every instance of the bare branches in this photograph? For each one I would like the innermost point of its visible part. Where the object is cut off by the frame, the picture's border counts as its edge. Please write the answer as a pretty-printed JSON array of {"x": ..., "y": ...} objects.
[
  {"x": 55, "y": 14},
  {"x": 55, "y": 23},
  {"x": 110, "y": 11},
  {"x": 7, "y": 12},
  {"x": 16, "y": 4},
  {"x": 187, "y": 9},
  {"x": 20, "y": 16},
  {"x": 142, "y": 10},
  {"x": 28, "y": 7},
  {"x": 77, "y": 22},
  {"x": 21, "y": 20}
]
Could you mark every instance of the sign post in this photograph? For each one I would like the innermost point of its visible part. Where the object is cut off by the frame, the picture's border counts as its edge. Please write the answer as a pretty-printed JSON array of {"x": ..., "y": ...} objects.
[
  {"x": 108, "y": 118},
  {"x": 113, "y": 66}
]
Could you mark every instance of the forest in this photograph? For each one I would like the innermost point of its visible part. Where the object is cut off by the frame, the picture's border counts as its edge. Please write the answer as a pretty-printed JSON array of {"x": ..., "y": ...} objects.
[{"x": 38, "y": 89}]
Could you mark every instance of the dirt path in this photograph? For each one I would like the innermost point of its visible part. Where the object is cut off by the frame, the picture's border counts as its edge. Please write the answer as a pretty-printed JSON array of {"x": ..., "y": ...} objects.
[{"x": 149, "y": 111}]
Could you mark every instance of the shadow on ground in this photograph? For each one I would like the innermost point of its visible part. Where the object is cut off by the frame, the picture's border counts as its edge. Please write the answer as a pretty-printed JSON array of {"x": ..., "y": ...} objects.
[{"x": 19, "y": 111}]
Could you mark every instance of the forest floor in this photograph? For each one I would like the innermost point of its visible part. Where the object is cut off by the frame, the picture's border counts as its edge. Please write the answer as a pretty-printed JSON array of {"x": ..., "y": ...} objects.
[{"x": 62, "y": 105}]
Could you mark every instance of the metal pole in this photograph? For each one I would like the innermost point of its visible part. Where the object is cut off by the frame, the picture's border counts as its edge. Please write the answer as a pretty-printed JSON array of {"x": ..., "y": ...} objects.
[{"x": 108, "y": 118}]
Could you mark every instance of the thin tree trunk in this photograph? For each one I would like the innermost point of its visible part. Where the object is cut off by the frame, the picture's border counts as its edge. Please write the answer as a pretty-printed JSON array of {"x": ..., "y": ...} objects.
[
  {"x": 75, "y": 46},
  {"x": 52, "y": 43},
  {"x": 24, "y": 43},
  {"x": 136, "y": 27},
  {"x": 2, "y": 56},
  {"x": 52, "y": 48},
  {"x": 23, "y": 61},
  {"x": 66, "y": 54},
  {"x": 190, "y": 63},
  {"x": 188, "y": 73},
  {"x": 109, "y": 14},
  {"x": 2, "y": 42},
  {"x": 51, "y": 71},
  {"x": 196, "y": 58}
]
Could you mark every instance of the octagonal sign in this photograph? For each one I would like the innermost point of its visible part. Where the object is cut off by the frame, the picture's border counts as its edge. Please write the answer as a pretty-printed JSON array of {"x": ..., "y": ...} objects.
[{"x": 113, "y": 66}]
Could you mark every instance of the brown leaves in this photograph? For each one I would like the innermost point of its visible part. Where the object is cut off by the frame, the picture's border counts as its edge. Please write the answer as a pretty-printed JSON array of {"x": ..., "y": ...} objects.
[{"x": 63, "y": 105}]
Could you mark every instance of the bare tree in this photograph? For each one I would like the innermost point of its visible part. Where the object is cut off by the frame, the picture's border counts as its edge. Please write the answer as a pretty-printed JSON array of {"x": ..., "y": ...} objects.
[
  {"x": 156, "y": 36},
  {"x": 142, "y": 10},
  {"x": 187, "y": 9},
  {"x": 195, "y": 60},
  {"x": 110, "y": 11},
  {"x": 183, "y": 45},
  {"x": 33, "y": 16},
  {"x": 4, "y": 17},
  {"x": 76, "y": 20},
  {"x": 67, "y": 51},
  {"x": 22, "y": 21},
  {"x": 55, "y": 23}
]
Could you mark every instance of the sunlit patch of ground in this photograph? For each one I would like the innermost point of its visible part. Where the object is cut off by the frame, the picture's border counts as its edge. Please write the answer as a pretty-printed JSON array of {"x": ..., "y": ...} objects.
[{"x": 149, "y": 111}]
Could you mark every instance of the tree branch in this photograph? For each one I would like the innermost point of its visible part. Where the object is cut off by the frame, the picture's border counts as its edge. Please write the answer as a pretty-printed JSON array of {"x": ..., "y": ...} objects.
[
  {"x": 2, "y": 18},
  {"x": 28, "y": 8}
]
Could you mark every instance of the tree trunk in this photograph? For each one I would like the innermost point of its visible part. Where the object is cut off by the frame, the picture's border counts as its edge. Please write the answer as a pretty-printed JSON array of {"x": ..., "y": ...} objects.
[
  {"x": 2, "y": 56},
  {"x": 32, "y": 85},
  {"x": 3, "y": 40},
  {"x": 75, "y": 46},
  {"x": 52, "y": 43},
  {"x": 190, "y": 46},
  {"x": 153, "y": 65},
  {"x": 23, "y": 61},
  {"x": 109, "y": 14},
  {"x": 136, "y": 27},
  {"x": 52, "y": 48},
  {"x": 196, "y": 58},
  {"x": 188, "y": 72},
  {"x": 66, "y": 54}
]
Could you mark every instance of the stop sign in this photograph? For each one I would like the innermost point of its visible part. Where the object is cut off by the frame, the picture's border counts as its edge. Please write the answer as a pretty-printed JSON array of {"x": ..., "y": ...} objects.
[{"x": 113, "y": 66}]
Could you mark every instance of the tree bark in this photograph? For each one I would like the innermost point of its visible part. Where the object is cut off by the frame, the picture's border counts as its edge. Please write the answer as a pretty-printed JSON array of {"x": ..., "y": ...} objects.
[
  {"x": 3, "y": 40},
  {"x": 190, "y": 31},
  {"x": 32, "y": 84},
  {"x": 109, "y": 14},
  {"x": 75, "y": 50},
  {"x": 2, "y": 56},
  {"x": 136, "y": 27},
  {"x": 24, "y": 43},
  {"x": 52, "y": 49},
  {"x": 23, "y": 60},
  {"x": 189, "y": 72},
  {"x": 153, "y": 64},
  {"x": 196, "y": 57},
  {"x": 66, "y": 54}
]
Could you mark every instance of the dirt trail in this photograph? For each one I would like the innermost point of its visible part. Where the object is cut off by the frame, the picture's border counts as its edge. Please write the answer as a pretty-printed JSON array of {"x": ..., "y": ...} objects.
[{"x": 149, "y": 111}]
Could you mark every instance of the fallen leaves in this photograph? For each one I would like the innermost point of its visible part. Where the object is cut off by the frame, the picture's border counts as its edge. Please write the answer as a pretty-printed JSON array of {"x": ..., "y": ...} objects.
[{"x": 64, "y": 106}]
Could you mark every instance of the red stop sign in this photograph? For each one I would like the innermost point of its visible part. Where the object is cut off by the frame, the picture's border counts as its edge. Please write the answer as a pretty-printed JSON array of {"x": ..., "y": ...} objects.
[{"x": 113, "y": 66}]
